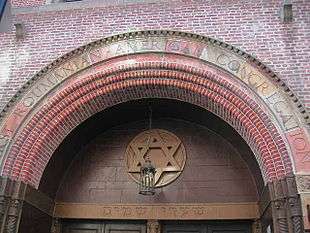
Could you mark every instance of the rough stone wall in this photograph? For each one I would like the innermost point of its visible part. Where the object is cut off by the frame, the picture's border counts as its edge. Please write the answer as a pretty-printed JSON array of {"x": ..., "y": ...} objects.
[
  {"x": 214, "y": 170},
  {"x": 254, "y": 26}
]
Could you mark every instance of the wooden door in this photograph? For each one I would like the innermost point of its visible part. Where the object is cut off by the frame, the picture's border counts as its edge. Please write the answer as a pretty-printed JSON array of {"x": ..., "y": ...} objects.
[
  {"x": 80, "y": 227},
  {"x": 124, "y": 228},
  {"x": 207, "y": 227},
  {"x": 184, "y": 228},
  {"x": 229, "y": 229},
  {"x": 102, "y": 227}
]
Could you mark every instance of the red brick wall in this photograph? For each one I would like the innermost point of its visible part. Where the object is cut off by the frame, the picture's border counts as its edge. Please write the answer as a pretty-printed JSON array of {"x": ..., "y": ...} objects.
[
  {"x": 254, "y": 26},
  {"x": 214, "y": 170},
  {"x": 27, "y": 3}
]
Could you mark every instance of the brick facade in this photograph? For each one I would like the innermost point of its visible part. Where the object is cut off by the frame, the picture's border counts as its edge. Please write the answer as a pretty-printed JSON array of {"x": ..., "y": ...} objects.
[
  {"x": 118, "y": 82},
  {"x": 27, "y": 3},
  {"x": 274, "y": 126},
  {"x": 212, "y": 173},
  {"x": 253, "y": 26}
]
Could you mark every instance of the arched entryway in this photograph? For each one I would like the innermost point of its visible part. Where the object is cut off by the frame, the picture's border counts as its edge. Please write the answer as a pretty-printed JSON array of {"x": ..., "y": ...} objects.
[
  {"x": 90, "y": 167},
  {"x": 160, "y": 64}
]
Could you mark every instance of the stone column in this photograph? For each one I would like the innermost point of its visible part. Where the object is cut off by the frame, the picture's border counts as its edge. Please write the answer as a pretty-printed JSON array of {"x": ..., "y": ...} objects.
[
  {"x": 280, "y": 218},
  {"x": 13, "y": 216},
  {"x": 5, "y": 193},
  {"x": 279, "y": 211},
  {"x": 11, "y": 203},
  {"x": 286, "y": 206},
  {"x": 3, "y": 209},
  {"x": 303, "y": 187},
  {"x": 294, "y": 206},
  {"x": 153, "y": 226},
  {"x": 56, "y": 226}
]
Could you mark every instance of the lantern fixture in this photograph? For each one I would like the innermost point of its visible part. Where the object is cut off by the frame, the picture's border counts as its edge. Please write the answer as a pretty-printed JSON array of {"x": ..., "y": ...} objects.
[
  {"x": 147, "y": 171},
  {"x": 147, "y": 178}
]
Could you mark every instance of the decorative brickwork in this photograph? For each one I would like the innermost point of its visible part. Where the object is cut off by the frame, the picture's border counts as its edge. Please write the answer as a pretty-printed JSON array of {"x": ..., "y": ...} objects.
[
  {"x": 234, "y": 85},
  {"x": 80, "y": 95},
  {"x": 28, "y": 3},
  {"x": 212, "y": 174},
  {"x": 253, "y": 26},
  {"x": 104, "y": 89}
]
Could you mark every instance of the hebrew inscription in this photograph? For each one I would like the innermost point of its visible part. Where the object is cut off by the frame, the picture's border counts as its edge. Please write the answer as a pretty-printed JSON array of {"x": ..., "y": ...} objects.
[{"x": 158, "y": 211}]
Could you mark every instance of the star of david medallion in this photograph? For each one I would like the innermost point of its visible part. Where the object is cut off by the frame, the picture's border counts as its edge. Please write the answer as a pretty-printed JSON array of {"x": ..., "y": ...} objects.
[{"x": 163, "y": 148}]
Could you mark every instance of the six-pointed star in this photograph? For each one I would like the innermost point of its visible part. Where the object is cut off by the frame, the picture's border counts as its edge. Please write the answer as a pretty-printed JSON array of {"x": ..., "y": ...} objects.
[{"x": 154, "y": 141}]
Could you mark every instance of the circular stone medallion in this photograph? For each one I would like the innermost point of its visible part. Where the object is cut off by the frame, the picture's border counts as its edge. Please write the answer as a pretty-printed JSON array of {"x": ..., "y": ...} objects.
[{"x": 163, "y": 148}]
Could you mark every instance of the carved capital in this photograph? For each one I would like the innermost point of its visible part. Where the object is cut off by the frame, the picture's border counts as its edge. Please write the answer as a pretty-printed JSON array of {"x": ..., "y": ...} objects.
[
  {"x": 153, "y": 226},
  {"x": 280, "y": 208},
  {"x": 14, "y": 211},
  {"x": 257, "y": 226},
  {"x": 294, "y": 205},
  {"x": 14, "y": 208},
  {"x": 4, "y": 203}
]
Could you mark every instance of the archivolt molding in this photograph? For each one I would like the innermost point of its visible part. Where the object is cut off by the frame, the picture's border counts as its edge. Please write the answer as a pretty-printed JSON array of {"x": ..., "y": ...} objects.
[
  {"x": 120, "y": 82},
  {"x": 270, "y": 100},
  {"x": 153, "y": 37}
]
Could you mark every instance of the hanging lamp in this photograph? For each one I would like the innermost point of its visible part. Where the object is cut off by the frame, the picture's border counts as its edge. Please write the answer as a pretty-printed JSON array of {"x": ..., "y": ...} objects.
[{"x": 148, "y": 170}]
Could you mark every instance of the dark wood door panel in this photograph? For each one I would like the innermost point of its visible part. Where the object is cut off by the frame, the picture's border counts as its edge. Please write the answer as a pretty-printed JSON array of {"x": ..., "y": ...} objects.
[
  {"x": 227, "y": 231},
  {"x": 229, "y": 228},
  {"x": 82, "y": 231},
  {"x": 82, "y": 228},
  {"x": 124, "y": 228},
  {"x": 182, "y": 228},
  {"x": 206, "y": 227},
  {"x": 85, "y": 226},
  {"x": 179, "y": 227}
]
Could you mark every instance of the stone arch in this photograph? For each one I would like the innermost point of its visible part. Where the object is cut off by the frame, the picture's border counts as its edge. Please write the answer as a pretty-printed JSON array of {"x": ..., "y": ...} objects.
[
  {"x": 183, "y": 66},
  {"x": 75, "y": 104}
]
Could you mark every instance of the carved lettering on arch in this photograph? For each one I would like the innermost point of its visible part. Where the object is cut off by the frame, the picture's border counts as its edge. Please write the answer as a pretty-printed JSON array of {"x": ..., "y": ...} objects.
[
  {"x": 255, "y": 80},
  {"x": 301, "y": 148},
  {"x": 12, "y": 122},
  {"x": 50, "y": 80},
  {"x": 281, "y": 108},
  {"x": 42, "y": 87},
  {"x": 4, "y": 141},
  {"x": 71, "y": 67},
  {"x": 251, "y": 78},
  {"x": 240, "y": 68},
  {"x": 184, "y": 47},
  {"x": 206, "y": 51}
]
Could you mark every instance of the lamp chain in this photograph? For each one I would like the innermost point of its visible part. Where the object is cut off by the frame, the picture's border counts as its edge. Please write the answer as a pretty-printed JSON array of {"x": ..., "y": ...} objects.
[
  {"x": 150, "y": 124},
  {"x": 150, "y": 117}
]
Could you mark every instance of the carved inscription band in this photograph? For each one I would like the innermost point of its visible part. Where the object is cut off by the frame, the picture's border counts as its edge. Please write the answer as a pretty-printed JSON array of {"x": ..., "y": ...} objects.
[{"x": 158, "y": 211}]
